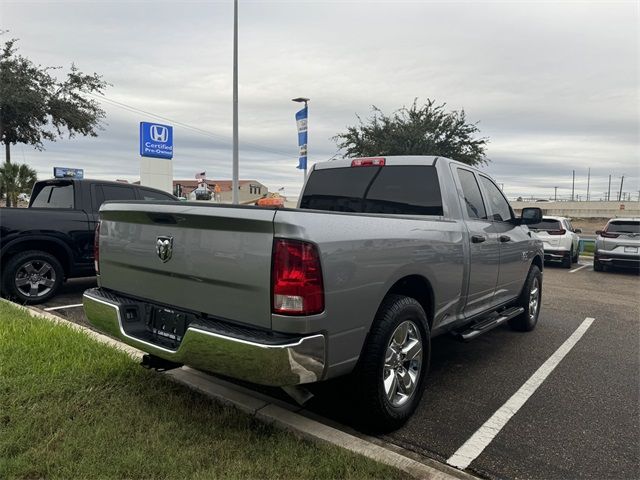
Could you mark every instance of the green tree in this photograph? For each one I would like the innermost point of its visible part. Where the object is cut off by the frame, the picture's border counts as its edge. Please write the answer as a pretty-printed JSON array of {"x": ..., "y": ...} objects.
[
  {"x": 36, "y": 106},
  {"x": 16, "y": 179},
  {"x": 418, "y": 130}
]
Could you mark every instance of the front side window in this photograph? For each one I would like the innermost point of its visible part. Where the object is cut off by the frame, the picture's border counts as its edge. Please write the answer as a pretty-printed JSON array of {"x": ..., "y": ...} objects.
[
  {"x": 53, "y": 196},
  {"x": 500, "y": 210},
  {"x": 471, "y": 194},
  {"x": 152, "y": 195}
]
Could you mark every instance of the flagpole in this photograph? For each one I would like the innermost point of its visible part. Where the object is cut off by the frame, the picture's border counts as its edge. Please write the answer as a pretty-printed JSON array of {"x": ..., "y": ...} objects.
[
  {"x": 306, "y": 133},
  {"x": 234, "y": 182}
]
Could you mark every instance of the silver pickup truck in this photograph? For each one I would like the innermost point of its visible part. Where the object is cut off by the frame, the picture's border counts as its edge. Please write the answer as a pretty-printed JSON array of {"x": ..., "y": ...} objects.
[{"x": 382, "y": 255}]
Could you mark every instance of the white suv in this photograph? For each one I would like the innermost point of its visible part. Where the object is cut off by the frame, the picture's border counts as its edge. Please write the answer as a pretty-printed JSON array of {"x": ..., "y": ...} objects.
[{"x": 559, "y": 239}]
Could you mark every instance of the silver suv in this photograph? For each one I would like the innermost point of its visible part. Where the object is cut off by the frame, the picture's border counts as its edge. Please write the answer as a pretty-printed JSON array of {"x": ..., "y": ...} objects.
[
  {"x": 618, "y": 244},
  {"x": 559, "y": 239}
]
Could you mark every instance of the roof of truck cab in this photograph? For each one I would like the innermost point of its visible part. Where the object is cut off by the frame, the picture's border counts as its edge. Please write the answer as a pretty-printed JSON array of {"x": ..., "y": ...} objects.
[{"x": 389, "y": 160}]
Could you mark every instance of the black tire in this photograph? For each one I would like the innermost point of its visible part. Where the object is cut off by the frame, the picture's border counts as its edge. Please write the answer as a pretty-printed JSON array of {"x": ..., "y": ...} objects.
[
  {"x": 566, "y": 260},
  {"x": 48, "y": 272},
  {"x": 526, "y": 321},
  {"x": 597, "y": 266},
  {"x": 576, "y": 257},
  {"x": 375, "y": 411}
]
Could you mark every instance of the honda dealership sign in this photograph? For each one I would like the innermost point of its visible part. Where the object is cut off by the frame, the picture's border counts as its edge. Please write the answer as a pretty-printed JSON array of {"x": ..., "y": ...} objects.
[{"x": 156, "y": 140}]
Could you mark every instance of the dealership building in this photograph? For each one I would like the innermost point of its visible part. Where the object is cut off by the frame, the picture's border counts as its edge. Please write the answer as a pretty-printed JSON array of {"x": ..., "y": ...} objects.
[{"x": 249, "y": 191}]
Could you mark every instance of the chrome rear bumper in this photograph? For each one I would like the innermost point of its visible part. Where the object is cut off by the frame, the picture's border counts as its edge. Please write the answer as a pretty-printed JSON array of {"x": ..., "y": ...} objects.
[{"x": 279, "y": 362}]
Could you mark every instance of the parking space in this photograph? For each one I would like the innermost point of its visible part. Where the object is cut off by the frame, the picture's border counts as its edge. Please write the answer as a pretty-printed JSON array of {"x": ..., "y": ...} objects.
[{"x": 580, "y": 421}]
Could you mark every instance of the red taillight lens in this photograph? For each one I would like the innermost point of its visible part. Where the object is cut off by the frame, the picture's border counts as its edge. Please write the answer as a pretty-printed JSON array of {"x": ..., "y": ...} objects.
[
  {"x": 609, "y": 235},
  {"x": 368, "y": 162},
  {"x": 96, "y": 249},
  {"x": 297, "y": 278},
  {"x": 556, "y": 232}
]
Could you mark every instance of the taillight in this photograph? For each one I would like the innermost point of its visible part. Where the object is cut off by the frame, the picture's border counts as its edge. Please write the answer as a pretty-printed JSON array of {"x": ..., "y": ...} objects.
[
  {"x": 368, "y": 162},
  {"x": 609, "y": 235},
  {"x": 296, "y": 278},
  {"x": 556, "y": 232},
  {"x": 96, "y": 249}
]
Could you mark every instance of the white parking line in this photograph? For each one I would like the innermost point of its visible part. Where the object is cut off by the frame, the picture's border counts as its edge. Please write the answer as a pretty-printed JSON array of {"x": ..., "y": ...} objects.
[
  {"x": 62, "y": 307},
  {"x": 579, "y": 268},
  {"x": 473, "y": 447}
]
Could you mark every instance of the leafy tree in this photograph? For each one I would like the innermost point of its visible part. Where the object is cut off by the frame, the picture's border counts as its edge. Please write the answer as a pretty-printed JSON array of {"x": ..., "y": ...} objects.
[
  {"x": 16, "y": 179},
  {"x": 36, "y": 106},
  {"x": 418, "y": 130}
]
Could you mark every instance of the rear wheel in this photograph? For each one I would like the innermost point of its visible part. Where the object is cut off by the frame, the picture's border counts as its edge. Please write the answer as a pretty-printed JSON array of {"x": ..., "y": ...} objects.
[
  {"x": 32, "y": 277},
  {"x": 566, "y": 260},
  {"x": 530, "y": 299},
  {"x": 389, "y": 378},
  {"x": 597, "y": 266}
]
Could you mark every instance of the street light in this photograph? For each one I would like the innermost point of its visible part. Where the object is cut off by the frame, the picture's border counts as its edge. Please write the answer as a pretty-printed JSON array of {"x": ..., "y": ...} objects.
[{"x": 305, "y": 101}]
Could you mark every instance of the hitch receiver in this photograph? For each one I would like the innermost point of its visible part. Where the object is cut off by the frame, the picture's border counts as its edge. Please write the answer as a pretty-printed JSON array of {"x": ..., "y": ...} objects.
[{"x": 157, "y": 363}]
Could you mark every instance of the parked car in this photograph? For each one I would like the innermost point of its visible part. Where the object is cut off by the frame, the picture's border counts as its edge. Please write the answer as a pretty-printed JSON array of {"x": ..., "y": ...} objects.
[
  {"x": 559, "y": 239},
  {"x": 618, "y": 244},
  {"x": 52, "y": 240},
  {"x": 24, "y": 197},
  {"x": 382, "y": 255}
]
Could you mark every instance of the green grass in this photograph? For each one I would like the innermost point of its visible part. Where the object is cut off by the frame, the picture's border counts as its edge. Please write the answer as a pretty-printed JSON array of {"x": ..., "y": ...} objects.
[
  {"x": 589, "y": 248},
  {"x": 71, "y": 407}
]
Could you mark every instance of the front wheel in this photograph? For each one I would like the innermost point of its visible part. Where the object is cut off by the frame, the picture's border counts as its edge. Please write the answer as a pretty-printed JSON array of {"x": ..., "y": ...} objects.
[
  {"x": 389, "y": 378},
  {"x": 530, "y": 299}
]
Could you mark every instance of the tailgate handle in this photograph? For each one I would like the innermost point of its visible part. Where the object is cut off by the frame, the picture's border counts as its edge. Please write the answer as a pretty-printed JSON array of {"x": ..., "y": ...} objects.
[
  {"x": 478, "y": 238},
  {"x": 163, "y": 218}
]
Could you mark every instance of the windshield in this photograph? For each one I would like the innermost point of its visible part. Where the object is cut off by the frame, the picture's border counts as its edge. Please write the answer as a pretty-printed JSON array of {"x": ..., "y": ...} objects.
[
  {"x": 546, "y": 224},
  {"x": 52, "y": 195},
  {"x": 624, "y": 227}
]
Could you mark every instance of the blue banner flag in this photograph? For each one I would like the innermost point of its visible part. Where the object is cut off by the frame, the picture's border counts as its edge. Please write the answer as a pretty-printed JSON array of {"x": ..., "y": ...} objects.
[{"x": 301, "y": 121}]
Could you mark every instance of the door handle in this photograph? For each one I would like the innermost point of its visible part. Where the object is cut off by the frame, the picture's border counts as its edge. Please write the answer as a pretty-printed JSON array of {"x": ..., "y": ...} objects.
[
  {"x": 478, "y": 238},
  {"x": 504, "y": 238}
]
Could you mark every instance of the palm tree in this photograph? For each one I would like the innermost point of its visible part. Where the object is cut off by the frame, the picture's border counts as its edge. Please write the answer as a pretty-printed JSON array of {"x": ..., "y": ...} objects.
[{"x": 16, "y": 179}]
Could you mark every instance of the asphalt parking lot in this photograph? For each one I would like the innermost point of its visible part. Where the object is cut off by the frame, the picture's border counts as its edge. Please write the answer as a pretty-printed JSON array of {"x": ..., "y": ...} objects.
[{"x": 581, "y": 417}]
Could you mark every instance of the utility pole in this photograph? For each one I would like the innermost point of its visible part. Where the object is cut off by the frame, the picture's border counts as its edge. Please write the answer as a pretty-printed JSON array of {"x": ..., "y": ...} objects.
[
  {"x": 588, "y": 182},
  {"x": 609, "y": 192},
  {"x": 235, "y": 182},
  {"x": 573, "y": 186},
  {"x": 555, "y": 194},
  {"x": 621, "y": 182}
]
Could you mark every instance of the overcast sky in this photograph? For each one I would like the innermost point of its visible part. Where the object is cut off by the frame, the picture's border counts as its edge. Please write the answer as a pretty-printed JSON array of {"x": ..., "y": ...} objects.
[{"x": 553, "y": 84}]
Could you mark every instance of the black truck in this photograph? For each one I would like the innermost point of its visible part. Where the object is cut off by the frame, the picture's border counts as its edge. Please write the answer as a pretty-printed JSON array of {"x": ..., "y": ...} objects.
[{"x": 52, "y": 240}]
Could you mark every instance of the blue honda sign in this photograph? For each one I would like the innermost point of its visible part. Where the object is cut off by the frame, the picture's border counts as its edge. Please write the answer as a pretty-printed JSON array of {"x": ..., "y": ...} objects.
[
  {"x": 156, "y": 140},
  {"x": 64, "y": 172}
]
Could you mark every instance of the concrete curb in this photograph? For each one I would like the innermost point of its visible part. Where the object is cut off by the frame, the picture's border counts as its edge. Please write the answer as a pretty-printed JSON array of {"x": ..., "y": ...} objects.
[{"x": 273, "y": 411}]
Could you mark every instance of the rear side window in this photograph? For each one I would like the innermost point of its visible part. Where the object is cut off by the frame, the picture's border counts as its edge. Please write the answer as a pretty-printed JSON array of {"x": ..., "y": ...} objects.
[
  {"x": 624, "y": 227},
  {"x": 54, "y": 196},
  {"x": 472, "y": 196},
  {"x": 546, "y": 225},
  {"x": 396, "y": 189}
]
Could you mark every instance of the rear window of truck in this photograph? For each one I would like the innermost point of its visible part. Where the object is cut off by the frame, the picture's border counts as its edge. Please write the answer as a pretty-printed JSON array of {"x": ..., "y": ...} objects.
[
  {"x": 54, "y": 195},
  {"x": 396, "y": 189}
]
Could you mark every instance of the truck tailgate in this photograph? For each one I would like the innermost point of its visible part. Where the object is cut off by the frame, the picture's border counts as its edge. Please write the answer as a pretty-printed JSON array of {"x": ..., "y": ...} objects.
[{"x": 220, "y": 261}]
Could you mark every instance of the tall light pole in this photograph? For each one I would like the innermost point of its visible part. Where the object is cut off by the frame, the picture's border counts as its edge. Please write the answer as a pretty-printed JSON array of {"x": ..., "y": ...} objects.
[
  {"x": 588, "y": 182},
  {"x": 621, "y": 182},
  {"x": 235, "y": 182},
  {"x": 573, "y": 185},
  {"x": 555, "y": 194},
  {"x": 305, "y": 101}
]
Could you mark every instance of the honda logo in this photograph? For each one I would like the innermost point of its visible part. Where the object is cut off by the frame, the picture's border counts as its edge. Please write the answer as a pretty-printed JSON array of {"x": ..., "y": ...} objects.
[
  {"x": 164, "y": 248},
  {"x": 159, "y": 133}
]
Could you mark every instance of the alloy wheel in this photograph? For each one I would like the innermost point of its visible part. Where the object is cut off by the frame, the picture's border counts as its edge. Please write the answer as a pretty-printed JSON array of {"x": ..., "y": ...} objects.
[
  {"x": 402, "y": 364},
  {"x": 35, "y": 278}
]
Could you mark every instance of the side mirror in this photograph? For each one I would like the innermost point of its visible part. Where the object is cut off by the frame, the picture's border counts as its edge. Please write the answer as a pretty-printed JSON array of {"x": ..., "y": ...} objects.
[
  {"x": 531, "y": 215},
  {"x": 598, "y": 232},
  {"x": 577, "y": 230}
]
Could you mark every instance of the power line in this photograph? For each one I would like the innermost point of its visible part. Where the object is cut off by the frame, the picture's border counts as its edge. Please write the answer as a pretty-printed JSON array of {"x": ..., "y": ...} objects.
[{"x": 193, "y": 128}]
